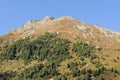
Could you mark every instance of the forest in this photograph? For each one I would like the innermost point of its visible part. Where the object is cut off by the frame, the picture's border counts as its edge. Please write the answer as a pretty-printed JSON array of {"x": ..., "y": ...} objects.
[{"x": 53, "y": 49}]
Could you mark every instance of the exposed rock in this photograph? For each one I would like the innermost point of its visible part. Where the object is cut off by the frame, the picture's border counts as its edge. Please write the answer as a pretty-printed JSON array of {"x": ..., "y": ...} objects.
[
  {"x": 81, "y": 27},
  {"x": 47, "y": 18},
  {"x": 14, "y": 70},
  {"x": 35, "y": 25},
  {"x": 108, "y": 33},
  {"x": 98, "y": 47},
  {"x": 105, "y": 41},
  {"x": 84, "y": 35},
  {"x": 29, "y": 23},
  {"x": 66, "y": 18}
]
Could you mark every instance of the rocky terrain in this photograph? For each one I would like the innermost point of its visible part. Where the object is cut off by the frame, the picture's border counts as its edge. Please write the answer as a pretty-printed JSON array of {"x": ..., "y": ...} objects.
[{"x": 105, "y": 41}]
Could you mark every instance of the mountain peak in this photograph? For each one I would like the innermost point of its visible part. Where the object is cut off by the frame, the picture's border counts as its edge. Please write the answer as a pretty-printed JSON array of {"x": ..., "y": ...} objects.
[
  {"x": 49, "y": 18},
  {"x": 60, "y": 46},
  {"x": 63, "y": 24}
]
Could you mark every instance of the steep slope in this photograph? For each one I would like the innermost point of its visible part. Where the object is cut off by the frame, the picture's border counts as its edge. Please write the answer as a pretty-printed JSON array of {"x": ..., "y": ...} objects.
[
  {"x": 90, "y": 48},
  {"x": 62, "y": 25}
]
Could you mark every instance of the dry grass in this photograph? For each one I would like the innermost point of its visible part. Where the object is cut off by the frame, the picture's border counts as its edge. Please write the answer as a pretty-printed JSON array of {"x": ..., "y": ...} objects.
[{"x": 68, "y": 30}]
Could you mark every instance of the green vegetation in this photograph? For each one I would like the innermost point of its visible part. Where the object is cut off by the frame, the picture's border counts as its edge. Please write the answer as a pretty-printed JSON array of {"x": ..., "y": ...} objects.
[
  {"x": 1, "y": 40},
  {"x": 83, "y": 49},
  {"x": 114, "y": 60},
  {"x": 72, "y": 65},
  {"x": 61, "y": 77},
  {"x": 38, "y": 72},
  {"x": 47, "y": 46},
  {"x": 50, "y": 50},
  {"x": 7, "y": 75}
]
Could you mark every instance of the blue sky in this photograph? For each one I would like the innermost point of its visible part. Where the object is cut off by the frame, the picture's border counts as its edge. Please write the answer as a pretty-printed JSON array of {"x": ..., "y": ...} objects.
[{"x": 15, "y": 13}]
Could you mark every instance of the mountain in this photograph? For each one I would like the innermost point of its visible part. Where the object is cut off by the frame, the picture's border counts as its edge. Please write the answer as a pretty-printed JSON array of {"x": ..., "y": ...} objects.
[{"x": 60, "y": 49}]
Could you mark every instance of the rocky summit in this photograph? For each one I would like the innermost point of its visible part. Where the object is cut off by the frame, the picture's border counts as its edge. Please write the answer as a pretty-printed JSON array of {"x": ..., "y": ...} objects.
[
  {"x": 60, "y": 49},
  {"x": 33, "y": 26}
]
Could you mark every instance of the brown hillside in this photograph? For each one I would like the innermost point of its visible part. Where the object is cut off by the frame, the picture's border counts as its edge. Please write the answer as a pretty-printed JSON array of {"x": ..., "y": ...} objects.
[{"x": 69, "y": 28}]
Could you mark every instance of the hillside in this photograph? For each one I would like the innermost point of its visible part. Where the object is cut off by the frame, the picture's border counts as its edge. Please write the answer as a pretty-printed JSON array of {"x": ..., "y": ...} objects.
[{"x": 60, "y": 49}]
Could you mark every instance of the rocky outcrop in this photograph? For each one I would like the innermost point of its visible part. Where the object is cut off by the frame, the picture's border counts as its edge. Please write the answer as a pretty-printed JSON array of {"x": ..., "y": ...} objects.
[
  {"x": 86, "y": 30},
  {"x": 108, "y": 33}
]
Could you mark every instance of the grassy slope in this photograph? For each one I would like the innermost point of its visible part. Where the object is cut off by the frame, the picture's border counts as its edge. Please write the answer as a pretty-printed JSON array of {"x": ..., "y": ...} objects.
[{"x": 106, "y": 57}]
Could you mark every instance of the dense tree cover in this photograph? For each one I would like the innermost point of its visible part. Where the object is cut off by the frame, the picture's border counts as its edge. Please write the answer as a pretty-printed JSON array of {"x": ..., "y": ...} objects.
[
  {"x": 75, "y": 73},
  {"x": 43, "y": 71},
  {"x": 38, "y": 72},
  {"x": 44, "y": 47},
  {"x": 86, "y": 73},
  {"x": 83, "y": 49},
  {"x": 14, "y": 51},
  {"x": 61, "y": 77},
  {"x": 7, "y": 75},
  {"x": 52, "y": 49},
  {"x": 8, "y": 53}
]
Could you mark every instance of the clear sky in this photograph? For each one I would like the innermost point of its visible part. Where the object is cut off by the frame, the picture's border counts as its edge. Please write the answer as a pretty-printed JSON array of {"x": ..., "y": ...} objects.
[{"x": 15, "y": 13}]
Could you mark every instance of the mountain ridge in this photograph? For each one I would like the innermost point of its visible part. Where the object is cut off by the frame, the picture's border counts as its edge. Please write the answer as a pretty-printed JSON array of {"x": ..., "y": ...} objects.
[
  {"x": 51, "y": 20},
  {"x": 66, "y": 27},
  {"x": 62, "y": 48}
]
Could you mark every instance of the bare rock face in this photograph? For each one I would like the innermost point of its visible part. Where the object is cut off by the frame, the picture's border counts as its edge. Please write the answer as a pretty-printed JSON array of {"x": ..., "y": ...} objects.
[
  {"x": 108, "y": 33},
  {"x": 48, "y": 18},
  {"x": 27, "y": 29},
  {"x": 66, "y": 27},
  {"x": 31, "y": 26},
  {"x": 82, "y": 27},
  {"x": 72, "y": 25},
  {"x": 27, "y": 26}
]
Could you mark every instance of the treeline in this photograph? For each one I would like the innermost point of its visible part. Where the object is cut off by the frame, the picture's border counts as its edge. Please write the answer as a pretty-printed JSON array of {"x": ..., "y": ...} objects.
[
  {"x": 44, "y": 47},
  {"x": 52, "y": 49}
]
